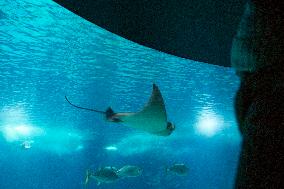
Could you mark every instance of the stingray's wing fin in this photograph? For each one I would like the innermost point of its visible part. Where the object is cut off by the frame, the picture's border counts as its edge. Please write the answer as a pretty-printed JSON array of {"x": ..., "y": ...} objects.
[
  {"x": 155, "y": 105},
  {"x": 152, "y": 118}
]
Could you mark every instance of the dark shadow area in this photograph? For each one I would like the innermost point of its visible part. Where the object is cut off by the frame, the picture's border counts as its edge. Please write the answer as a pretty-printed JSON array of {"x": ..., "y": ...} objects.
[{"x": 200, "y": 30}]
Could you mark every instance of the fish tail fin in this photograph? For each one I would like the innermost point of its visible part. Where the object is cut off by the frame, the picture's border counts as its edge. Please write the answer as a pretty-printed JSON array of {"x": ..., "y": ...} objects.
[
  {"x": 167, "y": 169},
  {"x": 119, "y": 174},
  {"x": 109, "y": 113},
  {"x": 88, "y": 175}
]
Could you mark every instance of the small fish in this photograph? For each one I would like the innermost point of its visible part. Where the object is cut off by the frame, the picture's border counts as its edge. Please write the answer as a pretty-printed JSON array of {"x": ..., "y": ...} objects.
[
  {"x": 27, "y": 144},
  {"x": 129, "y": 171},
  {"x": 178, "y": 169},
  {"x": 102, "y": 175}
]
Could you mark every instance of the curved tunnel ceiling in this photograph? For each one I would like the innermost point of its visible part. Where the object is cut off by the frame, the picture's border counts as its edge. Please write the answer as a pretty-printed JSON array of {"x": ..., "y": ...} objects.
[{"x": 200, "y": 30}]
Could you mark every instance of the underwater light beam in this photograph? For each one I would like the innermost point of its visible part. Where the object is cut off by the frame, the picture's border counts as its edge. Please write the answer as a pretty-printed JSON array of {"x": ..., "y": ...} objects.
[
  {"x": 23, "y": 130},
  {"x": 208, "y": 124},
  {"x": 19, "y": 132}
]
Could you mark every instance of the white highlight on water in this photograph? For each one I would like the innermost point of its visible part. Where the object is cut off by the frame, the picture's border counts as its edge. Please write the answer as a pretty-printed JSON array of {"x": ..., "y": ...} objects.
[
  {"x": 209, "y": 123},
  {"x": 111, "y": 148}
]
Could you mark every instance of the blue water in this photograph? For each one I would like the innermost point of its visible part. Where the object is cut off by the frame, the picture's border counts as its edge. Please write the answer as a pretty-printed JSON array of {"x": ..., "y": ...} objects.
[{"x": 47, "y": 52}]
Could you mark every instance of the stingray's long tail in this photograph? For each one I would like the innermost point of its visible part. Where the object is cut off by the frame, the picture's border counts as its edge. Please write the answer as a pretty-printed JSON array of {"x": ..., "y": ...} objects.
[{"x": 98, "y": 111}]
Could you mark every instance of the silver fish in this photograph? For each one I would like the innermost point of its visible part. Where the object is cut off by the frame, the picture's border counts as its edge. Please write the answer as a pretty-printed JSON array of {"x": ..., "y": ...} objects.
[
  {"x": 129, "y": 171},
  {"x": 102, "y": 175},
  {"x": 178, "y": 169}
]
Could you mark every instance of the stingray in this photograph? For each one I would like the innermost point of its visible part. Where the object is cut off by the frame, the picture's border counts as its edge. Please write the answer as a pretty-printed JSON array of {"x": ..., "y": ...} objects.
[{"x": 152, "y": 118}]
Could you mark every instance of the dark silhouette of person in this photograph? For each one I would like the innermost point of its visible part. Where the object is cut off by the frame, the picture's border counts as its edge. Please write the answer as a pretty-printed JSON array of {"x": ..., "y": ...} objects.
[{"x": 256, "y": 55}]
